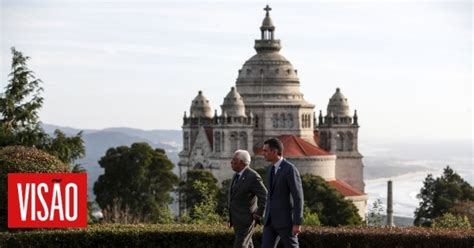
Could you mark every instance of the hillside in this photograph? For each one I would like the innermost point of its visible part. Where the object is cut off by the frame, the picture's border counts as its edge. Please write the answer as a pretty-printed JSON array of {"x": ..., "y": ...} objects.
[{"x": 98, "y": 141}]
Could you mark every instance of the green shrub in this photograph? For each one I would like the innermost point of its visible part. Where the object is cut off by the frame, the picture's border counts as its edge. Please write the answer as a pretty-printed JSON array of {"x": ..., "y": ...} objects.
[
  {"x": 197, "y": 236},
  {"x": 20, "y": 159},
  {"x": 310, "y": 218},
  {"x": 449, "y": 220},
  {"x": 204, "y": 212}
]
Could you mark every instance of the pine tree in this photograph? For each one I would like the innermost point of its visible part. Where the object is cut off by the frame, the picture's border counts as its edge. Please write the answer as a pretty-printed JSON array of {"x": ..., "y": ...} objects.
[
  {"x": 19, "y": 120},
  {"x": 19, "y": 105}
]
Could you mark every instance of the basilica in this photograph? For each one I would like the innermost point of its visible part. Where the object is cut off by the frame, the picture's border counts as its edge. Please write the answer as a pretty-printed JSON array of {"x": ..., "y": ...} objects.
[{"x": 267, "y": 102}]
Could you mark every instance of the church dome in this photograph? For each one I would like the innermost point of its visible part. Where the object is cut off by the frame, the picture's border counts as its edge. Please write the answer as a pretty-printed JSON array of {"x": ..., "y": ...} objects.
[
  {"x": 338, "y": 105},
  {"x": 233, "y": 104},
  {"x": 268, "y": 75},
  {"x": 200, "y": 106},
  {"x": 269, "y": 66}
]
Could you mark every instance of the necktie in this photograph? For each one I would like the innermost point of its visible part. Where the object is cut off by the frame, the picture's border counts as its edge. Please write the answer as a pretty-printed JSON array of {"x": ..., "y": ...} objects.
[
  {"x": 272, "y": 176},
  {"x": 235, "y": 180}
]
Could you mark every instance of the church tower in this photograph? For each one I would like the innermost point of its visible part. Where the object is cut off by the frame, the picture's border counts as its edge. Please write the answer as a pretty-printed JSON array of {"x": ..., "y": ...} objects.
[
  {"x": 234, "y": 124},
  {"x": 199, "y": 119},
  {"x": 209, "y": 142},
  {"x": 338, "y": 134},
  {"x": 270, "y": 88}
]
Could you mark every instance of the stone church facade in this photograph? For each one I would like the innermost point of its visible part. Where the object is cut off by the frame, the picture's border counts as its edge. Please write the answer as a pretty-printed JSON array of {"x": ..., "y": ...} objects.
[{"x": 267, "y": 102}]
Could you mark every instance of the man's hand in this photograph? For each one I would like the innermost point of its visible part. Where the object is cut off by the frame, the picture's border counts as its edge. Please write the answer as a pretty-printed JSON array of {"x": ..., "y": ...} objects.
[
  {"x": 229, "y": 224},
  {"x": 296, "y": 230}
]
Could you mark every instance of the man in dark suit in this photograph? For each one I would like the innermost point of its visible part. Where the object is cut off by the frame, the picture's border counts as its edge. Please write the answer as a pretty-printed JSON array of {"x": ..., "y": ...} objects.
[
  {"x": 284, "y": 209},
  {"x": 247, "y": 197}
]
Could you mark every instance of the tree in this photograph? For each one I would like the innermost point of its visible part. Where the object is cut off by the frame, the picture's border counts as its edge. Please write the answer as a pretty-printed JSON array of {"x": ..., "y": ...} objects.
[
  {"x": 191, "y": 194},
  {"x": 222, "y": 197},
  {"x": 426, "y": 206},
  {"x": 19, "y": 105},
  {"x": 137, "y": 178},
  {"x": 440, "y": 195},
  {"x": 19, "y": 120},
  {"x": 376, "y": 217},
  {"x": 20, "y": 159},
  {"x": 67, "y": 149},
  {"x": 330, "y": 206},
  {"x": 204, "y": 212}
]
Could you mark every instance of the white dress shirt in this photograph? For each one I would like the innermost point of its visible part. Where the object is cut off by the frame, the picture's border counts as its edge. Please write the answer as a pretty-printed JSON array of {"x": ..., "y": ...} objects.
[{"x": 277, "y": 164}]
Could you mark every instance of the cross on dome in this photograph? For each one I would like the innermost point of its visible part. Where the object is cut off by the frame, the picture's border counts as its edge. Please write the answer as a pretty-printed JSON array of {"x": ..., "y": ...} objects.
[{"x": 267, "y": 9}]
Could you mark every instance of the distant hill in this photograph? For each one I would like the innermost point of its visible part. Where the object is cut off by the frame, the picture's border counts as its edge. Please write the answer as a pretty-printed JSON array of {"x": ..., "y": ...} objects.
[
  {"x": 400, "y": 220},
  {"x": 98, "y": 141},
  {"x": 170, "y": 137},
  {"x": 48, "y": 128}
]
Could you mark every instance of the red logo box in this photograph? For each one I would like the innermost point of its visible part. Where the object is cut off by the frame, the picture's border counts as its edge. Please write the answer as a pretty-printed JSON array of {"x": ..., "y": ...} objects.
[{"x": 47, "y": 200}]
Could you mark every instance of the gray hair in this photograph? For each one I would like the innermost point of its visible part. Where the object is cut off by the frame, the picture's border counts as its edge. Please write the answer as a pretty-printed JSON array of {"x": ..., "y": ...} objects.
[{"x": 243, "y": 156}]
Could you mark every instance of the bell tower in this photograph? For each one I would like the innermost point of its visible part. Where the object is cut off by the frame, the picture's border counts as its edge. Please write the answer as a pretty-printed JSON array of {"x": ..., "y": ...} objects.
[{"x": 338, "y": 132}]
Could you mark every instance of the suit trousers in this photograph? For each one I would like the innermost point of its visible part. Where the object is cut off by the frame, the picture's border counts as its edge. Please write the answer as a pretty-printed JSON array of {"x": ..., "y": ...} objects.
[
  {"x": 270, "y": 235},
  {"x": 243, "y": 237}
]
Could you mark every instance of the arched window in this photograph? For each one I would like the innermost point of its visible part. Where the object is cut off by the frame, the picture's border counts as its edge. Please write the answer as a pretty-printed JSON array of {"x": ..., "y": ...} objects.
[
  {"x": 306, "y": 121},
  {"x": 340, "y": 141},
  {"x": 328, "y": 141},
  {"x": 282, "y": 120},
  {"x": 290, "y": 121},
  {"x": 223, "y": 141},
  {"x": 323, "y": 140},
  {"x": 198, "y": 166},
  {"x": 275, "y": 120},
  {"x": 234, "y": 141},
  {"x": 217, "y": 141},
  {"x": 186, "y": 141},
  {"x": 243, "y": 140},
  {"x": 349, "y": 146}
]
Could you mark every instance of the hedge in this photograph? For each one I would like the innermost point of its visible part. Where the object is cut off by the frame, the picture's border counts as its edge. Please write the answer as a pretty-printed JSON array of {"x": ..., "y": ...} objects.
[
  {"x": 20, "y": 159},
  {"x": 197, "y": 236}
]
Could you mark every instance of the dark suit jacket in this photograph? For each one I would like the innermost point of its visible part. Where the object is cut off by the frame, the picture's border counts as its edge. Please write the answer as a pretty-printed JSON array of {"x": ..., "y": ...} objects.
[
  {"x": 285, "y": 197},
  {"x": 248, "y": 196}
]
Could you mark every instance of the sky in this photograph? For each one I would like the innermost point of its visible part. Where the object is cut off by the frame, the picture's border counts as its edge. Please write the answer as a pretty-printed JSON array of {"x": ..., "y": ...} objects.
[{"x": 406, "y": 66}]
